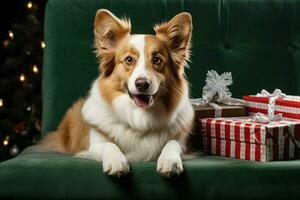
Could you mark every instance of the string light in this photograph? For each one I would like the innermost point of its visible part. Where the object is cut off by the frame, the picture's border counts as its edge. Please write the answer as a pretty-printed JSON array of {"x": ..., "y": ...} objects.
[
  {"x": 29, "y": 5},
  {"x": 35, "y": 69},
  {"x": 14, "y": 150},
  {"x": 5, "y": 142},
  {"x": 11, "y": 34},
  {"x": 43, "y": 45},
  {"x": 22, "y": 77},
  {"x": 1, "y": 103}
]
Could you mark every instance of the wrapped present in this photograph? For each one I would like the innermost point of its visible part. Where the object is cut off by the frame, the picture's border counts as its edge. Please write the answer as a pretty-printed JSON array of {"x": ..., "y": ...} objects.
[
  {"x": 216, "y": 101},
  {"x": 206, "y": 111},
  {"x": 273, "y": 104},
  {"x": 243, "y": 138}
]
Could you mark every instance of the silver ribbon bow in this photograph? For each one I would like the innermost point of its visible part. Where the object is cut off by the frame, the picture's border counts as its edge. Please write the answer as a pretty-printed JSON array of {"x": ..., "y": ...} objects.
[
  {"x": 216, "y": 90},
  {"x": 271, "y": 105}
]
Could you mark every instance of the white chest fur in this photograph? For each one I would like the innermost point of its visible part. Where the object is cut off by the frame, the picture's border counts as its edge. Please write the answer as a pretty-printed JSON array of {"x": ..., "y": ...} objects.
[{"x": 138, "y": 134}]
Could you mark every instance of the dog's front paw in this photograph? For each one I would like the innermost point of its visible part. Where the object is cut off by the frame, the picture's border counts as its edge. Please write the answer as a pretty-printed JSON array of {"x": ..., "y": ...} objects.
[
  {"x": 169, "y": 165},
  {"x": 115, "y": 165}
]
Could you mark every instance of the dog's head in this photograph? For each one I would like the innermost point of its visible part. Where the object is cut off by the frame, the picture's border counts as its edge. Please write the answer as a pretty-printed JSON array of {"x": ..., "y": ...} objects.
[{"x": 147, "y": 68}]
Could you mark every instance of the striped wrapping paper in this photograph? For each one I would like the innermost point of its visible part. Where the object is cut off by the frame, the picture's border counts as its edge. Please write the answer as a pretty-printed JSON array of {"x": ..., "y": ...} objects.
[
  {"x": 289, "y": 108},
  {"x": 241, "y": 138}
]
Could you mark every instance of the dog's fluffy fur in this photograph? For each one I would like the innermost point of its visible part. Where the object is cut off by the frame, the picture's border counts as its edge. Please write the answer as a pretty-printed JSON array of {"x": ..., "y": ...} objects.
[{"x": 117, "y": 122}]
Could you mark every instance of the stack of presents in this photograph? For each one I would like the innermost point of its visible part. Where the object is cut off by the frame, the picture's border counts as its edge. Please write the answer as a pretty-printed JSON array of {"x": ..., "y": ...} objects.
[{"x": 262, "y": 127}]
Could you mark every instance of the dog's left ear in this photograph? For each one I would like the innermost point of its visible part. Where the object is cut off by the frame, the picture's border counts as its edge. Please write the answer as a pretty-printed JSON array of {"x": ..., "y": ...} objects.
[
  {"x": 109, "y": 30},
  {"x": 177, "y": 33}
]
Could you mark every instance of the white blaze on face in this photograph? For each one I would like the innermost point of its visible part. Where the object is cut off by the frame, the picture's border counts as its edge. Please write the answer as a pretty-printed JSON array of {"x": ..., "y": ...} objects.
[
  {"x": 145, "y": 98},
  {"x": 140, "y": 71},
  {"x": 138, "y": 42}
]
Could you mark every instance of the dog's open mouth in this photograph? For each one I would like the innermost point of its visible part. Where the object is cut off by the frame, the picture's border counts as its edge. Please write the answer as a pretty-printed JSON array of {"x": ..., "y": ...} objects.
[{"x": 142, "y": 100}]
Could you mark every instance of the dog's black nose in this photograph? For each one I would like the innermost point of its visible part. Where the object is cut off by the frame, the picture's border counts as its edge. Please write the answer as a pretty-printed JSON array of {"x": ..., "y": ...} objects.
[{"x": 142, "y": 84}]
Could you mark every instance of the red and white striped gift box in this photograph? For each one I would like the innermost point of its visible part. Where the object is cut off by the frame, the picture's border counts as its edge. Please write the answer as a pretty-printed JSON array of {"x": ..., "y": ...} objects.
[
  {"x": 289, "y": 108},
  {"x": 241, "y": 138}
]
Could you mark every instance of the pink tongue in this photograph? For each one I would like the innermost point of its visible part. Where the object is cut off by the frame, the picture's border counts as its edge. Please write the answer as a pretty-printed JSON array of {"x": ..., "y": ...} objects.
[{"x": 141, "y": 101}]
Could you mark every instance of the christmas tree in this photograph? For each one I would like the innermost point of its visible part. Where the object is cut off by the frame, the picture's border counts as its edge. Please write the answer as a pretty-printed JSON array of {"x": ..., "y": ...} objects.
[{"x": 20, "y": 80}]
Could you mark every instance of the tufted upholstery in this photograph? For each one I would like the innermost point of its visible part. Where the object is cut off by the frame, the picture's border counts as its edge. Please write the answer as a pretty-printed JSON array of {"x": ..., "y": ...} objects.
[{"x": 257, "y": 40}]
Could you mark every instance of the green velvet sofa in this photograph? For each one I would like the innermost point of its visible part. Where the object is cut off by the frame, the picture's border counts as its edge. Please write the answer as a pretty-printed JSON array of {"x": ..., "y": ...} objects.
[{"x": 257, "y": 40}]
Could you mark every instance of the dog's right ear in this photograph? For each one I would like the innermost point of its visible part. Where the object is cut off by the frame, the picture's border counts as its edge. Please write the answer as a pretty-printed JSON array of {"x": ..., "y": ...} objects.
[
  {"x": 177, "y": 33},
  {"x": 108, "y": 30}
]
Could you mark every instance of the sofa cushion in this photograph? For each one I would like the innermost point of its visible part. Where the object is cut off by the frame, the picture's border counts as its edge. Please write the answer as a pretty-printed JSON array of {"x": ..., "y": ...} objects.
[{"x": 57, "y": 176}]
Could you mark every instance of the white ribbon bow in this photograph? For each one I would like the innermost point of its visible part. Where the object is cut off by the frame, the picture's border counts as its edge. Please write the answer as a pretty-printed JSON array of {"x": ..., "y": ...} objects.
[
  {"x": 216, "y": 90},
  {"x": 276, "y": 93},
  {"x": 271, "y": 105}
]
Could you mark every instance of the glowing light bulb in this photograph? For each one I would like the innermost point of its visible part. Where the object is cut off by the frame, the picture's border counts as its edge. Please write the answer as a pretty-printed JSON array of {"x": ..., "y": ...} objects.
[
  {"x": 29, "y": 5},
  {"x": 1, "y": 102},
  {"x": 22, "y": 77},
  {"x": 35, "y": 69},
  {"x": 43, "y": 45},
  {"x": 11, "y": 34},
  {"x": 5, "y": 142}
]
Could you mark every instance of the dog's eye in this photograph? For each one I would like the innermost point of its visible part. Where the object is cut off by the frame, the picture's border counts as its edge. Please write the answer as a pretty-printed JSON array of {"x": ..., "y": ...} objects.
[
  {"x": 156, "y": 60},
  {"x": 129, "y": 60}
]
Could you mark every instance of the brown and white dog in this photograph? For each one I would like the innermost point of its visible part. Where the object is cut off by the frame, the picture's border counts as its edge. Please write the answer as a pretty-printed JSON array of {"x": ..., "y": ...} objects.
[{"x": 138, "y": 109}]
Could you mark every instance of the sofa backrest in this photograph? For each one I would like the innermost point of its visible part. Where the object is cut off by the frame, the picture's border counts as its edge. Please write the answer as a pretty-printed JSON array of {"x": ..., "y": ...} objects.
[{"x": 258, "y": 41}]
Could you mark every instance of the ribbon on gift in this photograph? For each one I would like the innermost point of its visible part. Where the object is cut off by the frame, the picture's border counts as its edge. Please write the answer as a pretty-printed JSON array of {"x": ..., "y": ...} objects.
[
  {"x": 216, "y": 107},
  {"x": 265, "y": 119},
  {"x": 277, "y": 94},
  {"x": 216, "y": 90},
  {"x": 272, "y": 99},
  {"x": 262, "y": 118},
  {"x": 202, "y": 101}
]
